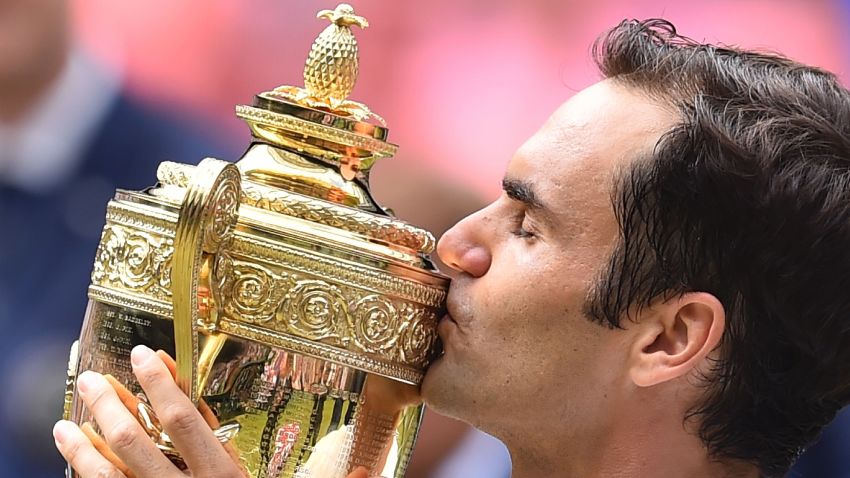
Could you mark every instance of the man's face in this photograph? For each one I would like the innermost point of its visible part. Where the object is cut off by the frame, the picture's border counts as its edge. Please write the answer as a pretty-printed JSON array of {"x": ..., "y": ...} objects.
[
  {"x": 33, "y": 45},
  {"x": 30, "y": 30},
  {"x": 518, "y": 350}
]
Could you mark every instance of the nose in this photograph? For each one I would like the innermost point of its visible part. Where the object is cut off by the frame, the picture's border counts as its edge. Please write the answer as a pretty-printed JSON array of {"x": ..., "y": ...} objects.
[{"x": 463, "y": 247}]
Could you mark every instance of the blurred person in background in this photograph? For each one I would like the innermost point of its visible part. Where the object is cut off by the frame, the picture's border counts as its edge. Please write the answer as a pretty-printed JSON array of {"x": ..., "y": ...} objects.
[{"x": 69, "y": 135}]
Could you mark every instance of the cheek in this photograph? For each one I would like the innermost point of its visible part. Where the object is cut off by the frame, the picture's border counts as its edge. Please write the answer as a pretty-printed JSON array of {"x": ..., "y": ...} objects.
[
  {"x": 524, "y": 295},
  {"x": 529, "y": 293},
  {"x": 546, "y": 276}
]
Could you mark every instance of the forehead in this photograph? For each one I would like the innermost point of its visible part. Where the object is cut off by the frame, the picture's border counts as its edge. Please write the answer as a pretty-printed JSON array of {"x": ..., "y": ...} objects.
[{"x": 587, "y": 139}]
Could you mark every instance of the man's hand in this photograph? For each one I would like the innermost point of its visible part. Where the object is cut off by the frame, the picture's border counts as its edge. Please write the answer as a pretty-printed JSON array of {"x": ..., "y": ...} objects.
[{"x": 126, "y": 450}]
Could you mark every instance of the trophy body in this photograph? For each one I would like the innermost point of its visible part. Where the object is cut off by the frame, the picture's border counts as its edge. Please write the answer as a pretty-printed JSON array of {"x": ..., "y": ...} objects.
[{"x": 301, "y": 315}]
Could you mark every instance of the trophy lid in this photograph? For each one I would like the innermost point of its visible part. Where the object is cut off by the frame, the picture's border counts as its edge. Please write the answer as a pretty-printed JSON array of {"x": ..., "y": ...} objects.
[{"x": 319, "y": 119}]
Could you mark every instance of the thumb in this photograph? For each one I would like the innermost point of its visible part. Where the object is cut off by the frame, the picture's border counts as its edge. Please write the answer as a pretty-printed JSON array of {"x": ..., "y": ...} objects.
[{"x": 360, "y": 472}]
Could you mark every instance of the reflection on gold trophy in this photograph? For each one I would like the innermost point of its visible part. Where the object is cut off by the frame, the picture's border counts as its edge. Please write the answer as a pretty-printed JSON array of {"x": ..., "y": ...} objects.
[{"x": 300, "y": 313}]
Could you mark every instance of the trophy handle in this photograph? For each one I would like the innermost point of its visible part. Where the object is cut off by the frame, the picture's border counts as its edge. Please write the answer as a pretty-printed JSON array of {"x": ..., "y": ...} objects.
[{"x": 207, "y": 217}]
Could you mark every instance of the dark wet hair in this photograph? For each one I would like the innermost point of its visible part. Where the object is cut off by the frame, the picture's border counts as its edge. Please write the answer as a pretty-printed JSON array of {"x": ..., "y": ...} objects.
[{"x": 746, "y": 198}]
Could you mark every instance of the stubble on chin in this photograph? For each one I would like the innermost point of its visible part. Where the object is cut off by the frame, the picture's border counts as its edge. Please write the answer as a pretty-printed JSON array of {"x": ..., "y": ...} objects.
[{"x": 443, "y": 392}]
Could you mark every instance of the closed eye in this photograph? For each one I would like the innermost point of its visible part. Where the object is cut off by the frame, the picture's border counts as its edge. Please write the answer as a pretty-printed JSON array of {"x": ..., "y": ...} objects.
[{"x": 520, "y": 227}]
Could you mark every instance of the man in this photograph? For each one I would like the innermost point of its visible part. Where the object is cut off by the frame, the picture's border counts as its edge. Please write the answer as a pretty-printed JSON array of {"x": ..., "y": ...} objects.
[{"x": 660, "y": 290}]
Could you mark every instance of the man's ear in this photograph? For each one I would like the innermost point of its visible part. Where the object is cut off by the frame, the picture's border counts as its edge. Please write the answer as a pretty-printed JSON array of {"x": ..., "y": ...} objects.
[{"x": 674, "y": 337}]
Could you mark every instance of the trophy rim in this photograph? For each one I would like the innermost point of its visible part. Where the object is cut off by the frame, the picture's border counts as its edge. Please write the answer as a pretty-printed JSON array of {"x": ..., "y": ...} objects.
[{"x": 268, "y": 101}]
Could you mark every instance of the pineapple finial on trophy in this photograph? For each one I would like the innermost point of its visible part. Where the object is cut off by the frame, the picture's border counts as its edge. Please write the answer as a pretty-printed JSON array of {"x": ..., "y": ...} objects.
[{"x": 332, "y": 67}]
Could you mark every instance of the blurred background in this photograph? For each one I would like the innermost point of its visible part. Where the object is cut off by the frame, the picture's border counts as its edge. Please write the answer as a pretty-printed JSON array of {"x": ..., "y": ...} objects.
[{"x": 95, "y": 93}]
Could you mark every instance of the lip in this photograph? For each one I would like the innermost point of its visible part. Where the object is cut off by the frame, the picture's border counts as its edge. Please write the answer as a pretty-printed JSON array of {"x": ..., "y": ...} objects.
[{"x": 445, "y": 326}]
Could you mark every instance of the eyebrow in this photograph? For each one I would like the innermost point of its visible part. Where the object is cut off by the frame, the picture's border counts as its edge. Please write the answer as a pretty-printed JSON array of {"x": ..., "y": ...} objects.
[{"x": 523, "y": 192}]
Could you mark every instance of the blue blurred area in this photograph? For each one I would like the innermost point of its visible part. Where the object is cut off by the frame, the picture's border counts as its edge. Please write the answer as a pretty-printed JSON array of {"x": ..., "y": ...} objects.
[
  {"x": 47, "y": 249},
  {"x": 829, "y": 457}
]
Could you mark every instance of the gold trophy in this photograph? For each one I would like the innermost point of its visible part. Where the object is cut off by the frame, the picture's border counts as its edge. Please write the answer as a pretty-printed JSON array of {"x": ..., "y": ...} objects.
[{"x": 301, "y": 314}]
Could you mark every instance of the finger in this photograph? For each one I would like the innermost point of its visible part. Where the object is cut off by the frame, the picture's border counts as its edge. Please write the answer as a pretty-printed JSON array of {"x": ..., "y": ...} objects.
[
  {"x": 204, "y": 409},
  {"x": 127, "y": 398},
  {"x": 122, "y": 431},
  {"x": 212, "y": 421},
  {"x": 102, "y": 448},
  {"x": 191, "y": 434},
  {"x": 169, "y": 362},
  {"x": 81, "y": 454},
  {"x": 359, "y": 472}
]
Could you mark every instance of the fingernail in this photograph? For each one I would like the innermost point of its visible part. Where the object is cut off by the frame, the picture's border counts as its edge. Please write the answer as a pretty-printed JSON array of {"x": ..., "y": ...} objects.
[
  {"x": 84, "y": 381},
  {"x": 60, "y": 431},
  {"x": 140, "y": 355}
]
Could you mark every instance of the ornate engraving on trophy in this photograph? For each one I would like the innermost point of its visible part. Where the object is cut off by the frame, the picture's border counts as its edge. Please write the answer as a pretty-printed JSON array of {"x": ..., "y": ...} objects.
[
  {"x": 315, "y": 310},
  {"x": 134, "y": 260},
  {"x": 115, "y": 331},
  {"x": 224, "y": 211},
  {"x": 109, "y": 334},
  {"x": 369, "y": 447},
  {"x": 333, "y": 313},
  {"x": 251, "y": 291}
]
